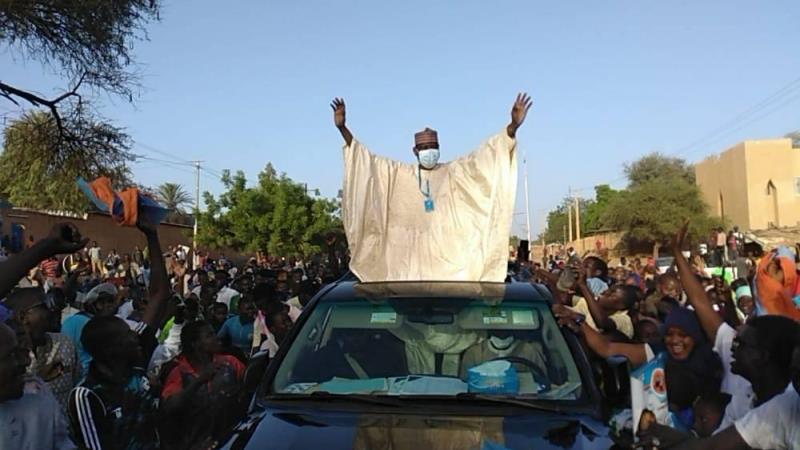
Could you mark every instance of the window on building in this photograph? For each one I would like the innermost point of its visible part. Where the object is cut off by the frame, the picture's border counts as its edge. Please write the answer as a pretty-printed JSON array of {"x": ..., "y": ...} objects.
[{"x": 796, "y": 185}]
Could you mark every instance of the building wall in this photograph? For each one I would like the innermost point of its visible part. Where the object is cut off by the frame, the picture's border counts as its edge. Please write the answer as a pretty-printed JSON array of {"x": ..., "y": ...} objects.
[
  {"x": 772, "y": 160},
  {"x": 736, "y": 181},
  {"x": 723, "y": 183},
  {"x": 97, "y": 227}
]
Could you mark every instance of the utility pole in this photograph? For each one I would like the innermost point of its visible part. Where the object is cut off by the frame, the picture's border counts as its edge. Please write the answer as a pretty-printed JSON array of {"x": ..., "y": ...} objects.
[
  {"x": 577, "y": 219},
  {"x": 195, "y": 259},
  {"x": 527, "y": 202},
  {"x": 569, "y": 216}
]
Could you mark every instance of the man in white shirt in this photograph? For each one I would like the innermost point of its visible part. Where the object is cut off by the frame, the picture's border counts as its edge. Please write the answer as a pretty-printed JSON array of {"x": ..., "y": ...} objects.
[{"x": 772, "y": 425}]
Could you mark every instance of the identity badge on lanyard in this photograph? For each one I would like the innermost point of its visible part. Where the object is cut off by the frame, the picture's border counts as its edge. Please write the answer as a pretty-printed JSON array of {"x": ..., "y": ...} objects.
[{"x": 427, "y": 192}]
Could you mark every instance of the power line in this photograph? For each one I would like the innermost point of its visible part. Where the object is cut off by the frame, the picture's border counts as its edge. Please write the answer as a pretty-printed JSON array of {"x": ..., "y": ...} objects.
[
  {"x": 738, "y": 122},
  {"x": 780, "y": 94},
  {"x": 163, "y": 153}
]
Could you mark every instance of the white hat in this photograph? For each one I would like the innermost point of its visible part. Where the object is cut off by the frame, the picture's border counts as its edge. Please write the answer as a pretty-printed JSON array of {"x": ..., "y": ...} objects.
[{"x": 102, "y": 288}]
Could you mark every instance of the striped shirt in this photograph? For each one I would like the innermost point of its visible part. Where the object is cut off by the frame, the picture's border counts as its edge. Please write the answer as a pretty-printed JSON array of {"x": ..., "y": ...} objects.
[{"x": 104, "y": 416}]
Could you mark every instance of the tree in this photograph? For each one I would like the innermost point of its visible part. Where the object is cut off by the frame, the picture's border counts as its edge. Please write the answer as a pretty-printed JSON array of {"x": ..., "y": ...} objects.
[
  {"x": 658, "y": 166},
  {"x": 653, "y": 210},
  {"x": 557, "y": 220},
  {"x": 87, "y": 42},
  {"x": 603, "y": 195},
  {"x": 276, "y": 215},
  {"x": 32, "y": 175},
  {"x": 173, "y": 196}
]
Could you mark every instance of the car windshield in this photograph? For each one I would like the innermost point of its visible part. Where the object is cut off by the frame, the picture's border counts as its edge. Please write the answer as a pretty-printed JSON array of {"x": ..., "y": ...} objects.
[{"x": 430, "y": 346}]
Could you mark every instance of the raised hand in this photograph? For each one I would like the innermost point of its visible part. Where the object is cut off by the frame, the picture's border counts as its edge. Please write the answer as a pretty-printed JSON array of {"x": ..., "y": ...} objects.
[
  {"x": 679, "y": 239},
  {"x": 338, "y": 112},
  {"x": 65, "y": 238},
  {"x": 519, "y": 111}
]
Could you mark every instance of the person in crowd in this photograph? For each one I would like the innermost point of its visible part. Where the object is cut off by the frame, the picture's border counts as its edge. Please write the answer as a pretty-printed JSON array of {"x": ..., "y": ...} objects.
[
  {"x": 278, "y": 323},
  {"x": 777, "y": 284},
  {"x": 54, "y": 358},
  {"x": 596, "y": 274},
  {"x": 610, "y": 311},
  {"x": 64, "y": 238},
  {"x": 50, "y": 269},
  {"x": 30, "y": 416},
  {"x": 708, "y": 412},
  {"x": 218, "y": 316},
  {"x": 647, "y": 329},
  {"x": 237, "y": 331},
  {"x": 744, "y": 299},
  {"x": 95, "y": 257},
  {"x": 138, "y": 256},
  {"x": 756, "y": 360},
  {"x": 689, "y": 354},
  {"x": 772, "y": 425},
  {"x": 101, "y": 301},
  {"x": 113, "y": 407},
  {"x": 667, "y": 286},
  {"x": 201, "y": 393},
  {"x": 720, "y": 247},
  {"x": 230, "y": 297}
]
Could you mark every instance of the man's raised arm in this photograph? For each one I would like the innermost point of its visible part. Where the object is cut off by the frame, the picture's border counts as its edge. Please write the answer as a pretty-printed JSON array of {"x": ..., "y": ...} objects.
[
  {"x": 518, "y": 113},
  {"x": 339, "y": 119}
]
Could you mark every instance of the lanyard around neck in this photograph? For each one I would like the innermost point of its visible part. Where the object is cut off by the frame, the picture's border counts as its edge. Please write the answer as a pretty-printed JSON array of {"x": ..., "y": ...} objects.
[{"x": 427, "y": 191}]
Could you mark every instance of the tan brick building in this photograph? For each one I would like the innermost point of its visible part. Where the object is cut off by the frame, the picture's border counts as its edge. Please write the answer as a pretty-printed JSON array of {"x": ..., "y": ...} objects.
[{"x": 755, "y": 184}]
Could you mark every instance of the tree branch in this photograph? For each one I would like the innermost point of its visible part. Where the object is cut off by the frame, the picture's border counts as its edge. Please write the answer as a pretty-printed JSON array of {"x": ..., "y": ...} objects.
[{"x": 10, "y": 92}]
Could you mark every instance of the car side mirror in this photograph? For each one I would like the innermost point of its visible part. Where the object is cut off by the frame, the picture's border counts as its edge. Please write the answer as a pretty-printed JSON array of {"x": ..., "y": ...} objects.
[
  {"x": 616, "y": 381},
  {"x": 256, "y": 368}
]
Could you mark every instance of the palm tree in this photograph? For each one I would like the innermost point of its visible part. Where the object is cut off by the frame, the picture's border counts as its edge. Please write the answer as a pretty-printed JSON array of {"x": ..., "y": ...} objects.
[{"x": 173, "y": 196}]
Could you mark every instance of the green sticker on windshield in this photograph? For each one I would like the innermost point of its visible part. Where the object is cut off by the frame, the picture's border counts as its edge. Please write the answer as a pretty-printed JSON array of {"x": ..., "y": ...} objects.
[
  {"x": 383, "y": 317},
  {"x": 495, "y": 318},
  {"x": 522, "y": 317}
]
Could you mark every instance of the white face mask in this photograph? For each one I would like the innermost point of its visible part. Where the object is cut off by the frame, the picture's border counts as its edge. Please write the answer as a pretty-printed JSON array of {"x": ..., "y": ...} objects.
[
  {"x": 501, "y": 343},
  {"x": 428, "y": 158}
]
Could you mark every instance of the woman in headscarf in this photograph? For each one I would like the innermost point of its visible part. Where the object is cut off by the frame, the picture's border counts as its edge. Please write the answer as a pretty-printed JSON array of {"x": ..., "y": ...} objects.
[
  {"x": 778, "y": 284},
  {"x": 690, "y": 357}
]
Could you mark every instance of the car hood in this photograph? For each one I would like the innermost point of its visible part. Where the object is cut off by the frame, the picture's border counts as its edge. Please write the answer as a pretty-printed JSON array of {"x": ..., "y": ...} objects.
[{"x": 299, "y": 428}]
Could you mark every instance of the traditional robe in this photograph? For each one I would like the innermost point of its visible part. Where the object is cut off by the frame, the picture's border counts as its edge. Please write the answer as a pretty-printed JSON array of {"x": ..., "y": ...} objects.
[{"x": 465, "y": 238}]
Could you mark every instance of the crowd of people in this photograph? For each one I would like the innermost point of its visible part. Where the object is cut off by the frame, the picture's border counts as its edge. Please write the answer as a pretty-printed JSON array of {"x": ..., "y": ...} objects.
[
  {"x": 732, "y": 350},
  {"x": 106, "y": 351},
  {"x": 102, "y": 350}
]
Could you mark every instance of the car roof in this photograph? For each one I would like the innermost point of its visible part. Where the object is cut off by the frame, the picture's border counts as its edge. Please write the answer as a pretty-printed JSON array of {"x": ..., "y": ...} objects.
[{"x": 439, "y": 289}]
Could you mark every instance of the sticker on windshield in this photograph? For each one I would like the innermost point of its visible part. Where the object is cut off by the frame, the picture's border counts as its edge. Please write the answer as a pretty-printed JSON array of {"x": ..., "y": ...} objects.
[
  {"x": 495, "y": 317},
  {"x": 383, "y": 317},
  {"x": 522, "y": 317}
]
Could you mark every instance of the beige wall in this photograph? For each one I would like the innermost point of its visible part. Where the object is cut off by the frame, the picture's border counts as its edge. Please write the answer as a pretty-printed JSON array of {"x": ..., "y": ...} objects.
[
  {"x": 740, "y": 176},
  {"x": 773, "y": 160},
  {"x": 723, "y": 182}
]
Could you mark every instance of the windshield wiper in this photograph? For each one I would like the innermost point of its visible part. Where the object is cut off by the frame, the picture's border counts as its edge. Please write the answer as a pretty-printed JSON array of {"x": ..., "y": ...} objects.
[
  {"x": 328, "y": 396},
  {"x": 509, "y": 401}
]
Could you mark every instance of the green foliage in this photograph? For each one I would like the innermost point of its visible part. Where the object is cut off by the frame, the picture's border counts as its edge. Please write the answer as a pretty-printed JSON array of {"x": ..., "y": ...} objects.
[
  {"x": 88, "y": 38},
  {"x": 595, "y": 210},
  {"x": 173, "y": 196},
  {"x": 657, "y": 166},
  {"x": 557, "y": 220},
  {"x": 33, "y": 176},
  {"x": 654, "y": 210},
  {"x": 276, "y": 215}
]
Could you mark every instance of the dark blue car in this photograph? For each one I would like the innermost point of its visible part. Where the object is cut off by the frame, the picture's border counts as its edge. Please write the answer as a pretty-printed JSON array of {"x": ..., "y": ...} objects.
[{"x": 419, "y": 365}]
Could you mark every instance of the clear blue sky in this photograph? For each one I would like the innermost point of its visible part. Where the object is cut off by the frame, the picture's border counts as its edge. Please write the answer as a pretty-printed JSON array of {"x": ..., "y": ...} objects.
[{"x": 238, "y": 84}]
